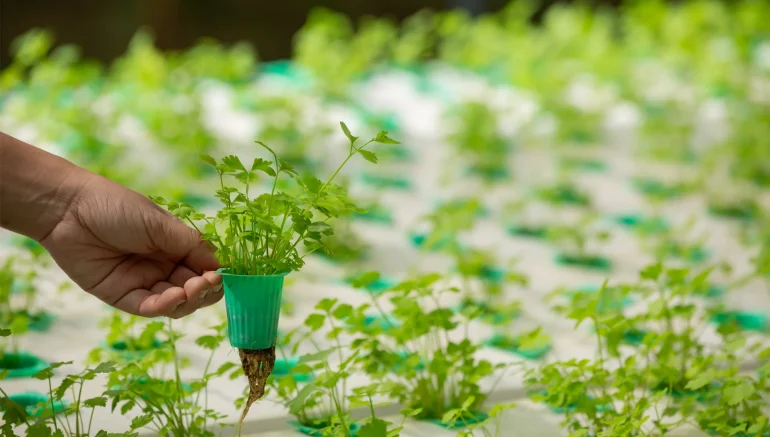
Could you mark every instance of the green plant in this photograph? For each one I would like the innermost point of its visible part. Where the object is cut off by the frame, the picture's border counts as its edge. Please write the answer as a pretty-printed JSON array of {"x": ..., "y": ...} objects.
[
  {"x": 170, "y": 406},
  {"x": 324, "y": 403},
  {"x": 478, "y": 142},
  {"x": 260, "y": 235},
  {"x": 58, "y": 417},
  {"x": 416, "y": 360},
  {"x": 579, "y": 241}
]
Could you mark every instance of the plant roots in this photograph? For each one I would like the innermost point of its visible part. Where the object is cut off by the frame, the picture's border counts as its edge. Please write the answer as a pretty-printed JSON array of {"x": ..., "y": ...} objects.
[{"x": 257, "y": 365}]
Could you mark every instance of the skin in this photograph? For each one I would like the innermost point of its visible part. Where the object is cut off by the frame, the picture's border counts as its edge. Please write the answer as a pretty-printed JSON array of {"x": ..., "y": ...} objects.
[{"x": 113, "y": 242}]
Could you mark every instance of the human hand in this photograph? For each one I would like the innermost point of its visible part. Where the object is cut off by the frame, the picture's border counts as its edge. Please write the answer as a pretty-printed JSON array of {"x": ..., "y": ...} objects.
[{"x": 119, "y": 246}]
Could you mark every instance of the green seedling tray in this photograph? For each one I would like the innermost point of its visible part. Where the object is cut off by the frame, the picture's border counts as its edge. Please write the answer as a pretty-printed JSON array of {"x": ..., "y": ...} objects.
[
  {"x": 607, "y": 303},
  {"x": 121, "y": 348},
  {"x": 386, "y": 182},
  {"x": 37, "y": 404},
  {"x": 377, "y": 286},
  {"x": 384, "y": 322},
  {"x": 585, "y": 164},
  {"x": 283, "y": 367},
  {"x": 376, "y": 215},
  {"x": 22, "y": 364},
  {"x": 562, "y": 410},
  {"x": 699, "y": 395},
  {"x": 649, "y": 225},
  {"x": 589, "y": 262},
  {"x": 745, "y": 212},
  {"x": 747, "y": 321},
  {"x": 489, "y": 314},
  {"x": 405, "y": 355},
  {"x": 490, "y": 174},
  {"x": 41, "y": 321},
  {"x": 509, "y": 344},
  {"x": 528, "y": 231},
  {"x": 477, "y": 417},
  {"x": 657, "y": 188},
  {"x": 318, "y": 431}
]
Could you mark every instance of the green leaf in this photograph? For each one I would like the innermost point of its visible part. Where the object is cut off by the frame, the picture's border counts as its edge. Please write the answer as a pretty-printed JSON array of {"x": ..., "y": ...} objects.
[
  {"x": 61, "y": 390},
  {"x": 739, "y": 393},
  {"x": 106, "y": 367},
  {"x": 326, "y": 304},
  {"x": 233, "y": 162},
  {"x": 315, "y": 321},
  {"x": 262, "y": 165},
  {"x": 318, "y": 356},
  {"x": 208, "y": 159},
  {"x": 296, "y": 405},
  {"x": 382, "y": 138},
  {"x": 369, "y": 156},
  {"x": 209, "y": 342},
  {"x": 347, "y": 133},
  {"x": 141, "y": 421},
  {"x": 365, "y": 279},
  {"x": 375, "y": 428},
  {"x": 100, "y": 401},
  {"x": 5, "y": 332}
]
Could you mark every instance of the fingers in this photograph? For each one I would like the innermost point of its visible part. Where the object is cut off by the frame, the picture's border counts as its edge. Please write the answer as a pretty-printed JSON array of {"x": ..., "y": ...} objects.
[
  {"x": 162, "y": 300},
  {"x": 200, "y": 291},
  {"x": 167, "y": 299}
]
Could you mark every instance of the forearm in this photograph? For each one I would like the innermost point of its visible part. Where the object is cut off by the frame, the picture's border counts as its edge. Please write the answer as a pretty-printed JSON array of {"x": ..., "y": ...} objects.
[{"x": 36, "y": 187}]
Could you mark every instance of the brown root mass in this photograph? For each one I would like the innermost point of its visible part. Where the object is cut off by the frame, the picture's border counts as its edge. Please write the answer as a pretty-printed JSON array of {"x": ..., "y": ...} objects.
[{"x": 257, "y": 365}]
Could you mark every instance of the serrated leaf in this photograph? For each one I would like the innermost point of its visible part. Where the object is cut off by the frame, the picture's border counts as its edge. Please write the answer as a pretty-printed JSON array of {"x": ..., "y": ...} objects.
[
  {"x": 369, "y": 156},
  {"x": 100, "y": 401},
  {"x": 141, "y": 421},
  {"x": 106, "y": 367},
  {"x": 233, "y": 162},
  {"x": 208, "y": 159},
  {"x": 382, "y": 138},
  {"x": 314, "y": 357}
]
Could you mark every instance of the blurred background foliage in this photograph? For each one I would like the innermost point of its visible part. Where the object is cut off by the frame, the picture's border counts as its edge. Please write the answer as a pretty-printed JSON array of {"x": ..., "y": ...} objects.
[{"x": 103, "y": 28}]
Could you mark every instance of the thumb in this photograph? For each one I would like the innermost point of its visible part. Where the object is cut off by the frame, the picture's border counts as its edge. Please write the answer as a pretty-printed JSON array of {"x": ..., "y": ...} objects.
[{"x": 181, "y": 242}]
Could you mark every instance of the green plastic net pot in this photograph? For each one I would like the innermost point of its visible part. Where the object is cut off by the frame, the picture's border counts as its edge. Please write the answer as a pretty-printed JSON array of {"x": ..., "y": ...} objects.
[
  {"x": 21, "y": 364},
  {"x": 253, "y": 308}
]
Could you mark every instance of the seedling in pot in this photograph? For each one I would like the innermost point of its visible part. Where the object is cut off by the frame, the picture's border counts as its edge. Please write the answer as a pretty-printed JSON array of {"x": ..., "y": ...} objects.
[
  {"x": 129, "y": 338},
  {"x": 257, "y": 241},
  {"x": 70, "y": 418},
  {"x": 563, "y": 193},
  {"x": 321, "y": 406},
  {"x": 169, "y": 405},
  {"x": 423, "y": 334},
  {"x": 478, "y": 142},
  {"x": 19, "y": 279},
  {"x": 532, "y": 345},
  {"x": 577, "y": 243}
]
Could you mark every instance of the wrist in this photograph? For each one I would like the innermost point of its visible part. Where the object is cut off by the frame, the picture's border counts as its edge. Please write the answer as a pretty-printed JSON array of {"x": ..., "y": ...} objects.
[{"x": 37, "y": 189}]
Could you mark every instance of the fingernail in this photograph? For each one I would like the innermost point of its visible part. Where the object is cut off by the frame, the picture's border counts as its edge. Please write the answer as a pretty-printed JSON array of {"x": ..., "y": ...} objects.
[
  {"x": 203, "y": 294},
  {"x": 217, "y": 288},
  {"x": 177, "y": 306}
]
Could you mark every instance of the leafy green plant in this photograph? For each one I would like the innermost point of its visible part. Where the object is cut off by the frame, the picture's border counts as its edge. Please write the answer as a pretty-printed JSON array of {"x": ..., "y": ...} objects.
[
  {"x": 170, "y": 406},
  {"x": 579, "y": 241},
  {"x": 261, "y": 235},
  {"x": 416, "y": 359},
  {"x": 324, "y": 403},
  {"x": 478, "y": 142}
]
